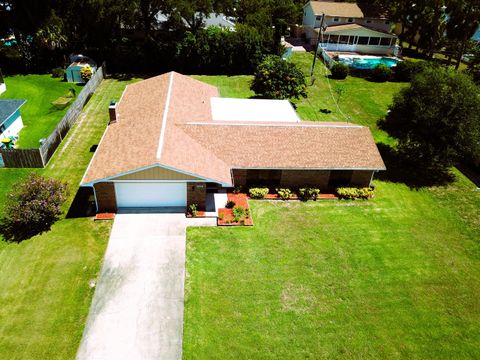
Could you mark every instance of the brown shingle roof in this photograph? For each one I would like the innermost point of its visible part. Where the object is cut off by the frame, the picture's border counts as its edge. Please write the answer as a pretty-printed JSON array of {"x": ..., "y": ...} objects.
[
  {"x": 193, "y": 143},
  {"x": 331, "y": 8}
]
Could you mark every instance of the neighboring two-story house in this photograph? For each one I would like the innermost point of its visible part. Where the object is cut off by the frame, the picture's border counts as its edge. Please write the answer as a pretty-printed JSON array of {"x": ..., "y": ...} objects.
[{"x": 347, "y": 28}]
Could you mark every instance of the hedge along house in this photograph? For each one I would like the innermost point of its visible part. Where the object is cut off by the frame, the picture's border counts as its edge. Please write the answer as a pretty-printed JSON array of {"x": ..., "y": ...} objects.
[
  {"x": 348, "y": 28},
  {"x": 172, "y": 141},
  {"x": 10, "y": 119}
]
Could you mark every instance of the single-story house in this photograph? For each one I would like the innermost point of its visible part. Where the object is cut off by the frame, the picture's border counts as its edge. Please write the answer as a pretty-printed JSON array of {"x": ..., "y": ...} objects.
[
  {"x": 348, "y": 28},
  {"x": 172, "y": 140},
  {"x": 10, "y": 120},
  {"x": 72, "y": 73}
]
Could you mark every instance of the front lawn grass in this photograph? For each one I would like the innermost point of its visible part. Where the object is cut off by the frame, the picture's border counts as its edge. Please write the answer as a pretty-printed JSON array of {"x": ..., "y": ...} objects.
[
  {"x": 45, "y": 293},
  {"x": 395, "y": 277},
  {"x": 38, "y": 114}
]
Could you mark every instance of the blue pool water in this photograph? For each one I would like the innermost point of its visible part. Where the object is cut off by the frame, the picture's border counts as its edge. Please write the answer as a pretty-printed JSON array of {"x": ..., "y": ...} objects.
[{"x": 368, "y": 63}]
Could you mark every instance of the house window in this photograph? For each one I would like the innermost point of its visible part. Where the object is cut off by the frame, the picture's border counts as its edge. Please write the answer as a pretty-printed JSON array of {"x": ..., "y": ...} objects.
[
  {"x": 385, "y": 41},
  {"x": 387, "y": 22},
  {"x": 368, "y": 21},
  {"x": 363, "y": 40},
  {"x": 350, "y": 20},
  {"x": 333, "y": 39},
  {"x": 319, "y": 18},
  {"x": 374, "y": 41},
  {"x": 2, "y": 129},
  {"x": 336, "y": 19},
  {"x": 343, "y": 39}
]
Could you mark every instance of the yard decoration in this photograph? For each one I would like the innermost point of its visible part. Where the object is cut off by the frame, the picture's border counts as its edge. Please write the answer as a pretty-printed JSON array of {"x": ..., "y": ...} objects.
[
  {"x": 86, "y": 73},
  {"x": 32, "y": 208}
]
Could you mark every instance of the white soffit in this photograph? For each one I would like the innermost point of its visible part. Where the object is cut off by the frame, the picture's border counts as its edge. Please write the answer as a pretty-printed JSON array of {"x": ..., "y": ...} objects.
[{"x": 255, "y": 110}]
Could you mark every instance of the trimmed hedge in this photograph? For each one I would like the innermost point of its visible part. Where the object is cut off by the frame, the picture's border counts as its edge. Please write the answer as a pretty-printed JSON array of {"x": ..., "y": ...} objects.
[
  {"x": 306, "y": 194},
  {"x": 339, "y": 71},
  {"x": 381, "y": 73},
  {"x": 350, "y": 193},
  {"x": 258, "y": 193},
  {"x": 284, "y": 194}
]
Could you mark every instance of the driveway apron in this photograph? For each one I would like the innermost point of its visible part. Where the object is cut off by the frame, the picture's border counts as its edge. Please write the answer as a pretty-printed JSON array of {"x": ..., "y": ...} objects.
[{"x": 137, "y": 308}]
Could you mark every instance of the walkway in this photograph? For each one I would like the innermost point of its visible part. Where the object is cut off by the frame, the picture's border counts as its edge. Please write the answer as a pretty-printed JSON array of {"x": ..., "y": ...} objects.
[{"x": 137, "y": 309}]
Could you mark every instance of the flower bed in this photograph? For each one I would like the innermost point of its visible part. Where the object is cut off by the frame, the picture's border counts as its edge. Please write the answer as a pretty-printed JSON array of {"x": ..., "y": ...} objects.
[
  {"x": 226, "y": 216},
  {"x": 295, "y": 197},
  {"x": 199, "y": 214}
]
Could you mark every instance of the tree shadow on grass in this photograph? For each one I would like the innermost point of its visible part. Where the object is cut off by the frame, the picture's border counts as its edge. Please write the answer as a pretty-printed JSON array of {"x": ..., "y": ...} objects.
[
  {"x": 83, "y": 204},
  {"x": 414, "y": 174}
]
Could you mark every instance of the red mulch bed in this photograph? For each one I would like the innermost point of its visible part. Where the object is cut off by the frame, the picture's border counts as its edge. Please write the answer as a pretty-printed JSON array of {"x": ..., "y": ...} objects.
[
  {"x": 227, "y": 214},
  {"x": 199, "y": 214},
  {"x": 105, "y": 216}
]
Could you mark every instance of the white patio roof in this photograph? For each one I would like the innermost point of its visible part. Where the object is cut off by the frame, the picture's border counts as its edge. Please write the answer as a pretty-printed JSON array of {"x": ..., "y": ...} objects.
[{"x": 254, "y": 110}]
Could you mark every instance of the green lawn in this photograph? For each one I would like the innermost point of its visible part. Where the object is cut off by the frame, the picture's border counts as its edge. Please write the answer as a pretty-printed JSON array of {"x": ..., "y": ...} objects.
[
  {"x": 45, "y": 293},
  {"x": 38, "y": 114},
  {"x": 395, "y": 277}
]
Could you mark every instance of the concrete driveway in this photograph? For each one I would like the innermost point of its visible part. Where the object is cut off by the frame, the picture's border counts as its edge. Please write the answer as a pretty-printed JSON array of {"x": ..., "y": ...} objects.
[{"x": 137, "y": 309}]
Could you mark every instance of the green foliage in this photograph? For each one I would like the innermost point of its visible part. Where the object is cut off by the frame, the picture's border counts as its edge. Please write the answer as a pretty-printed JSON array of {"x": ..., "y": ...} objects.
[
  {"x": 58, "y": 73},
  {"x": 258, "y": 193},
  {"x": 306, "y": 194},
  {"x": 32, "y": 208},
  {"x": 193, "y": 210},
  {"x": 339, "y": 71},
  {"x": 351, "y": 193},
  {"x": 86, "y": 73},
  {"x": 276, "y": 78},
  {"x": 284, "y": 194},
  {"x": 230, "y": 204},
  {"x": 381, "y": 73},
  {"x": 436, "y": 119},
  {"x": 218, "y": 50},
  {"x": 407, "y": 69},
  {"x": 221, "y": 216},
  {"x": 238, "y": 213}
]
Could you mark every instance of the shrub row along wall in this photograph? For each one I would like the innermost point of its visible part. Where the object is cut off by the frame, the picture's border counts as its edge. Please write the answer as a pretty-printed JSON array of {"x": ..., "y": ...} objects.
[{"x": 38, "y": 158}]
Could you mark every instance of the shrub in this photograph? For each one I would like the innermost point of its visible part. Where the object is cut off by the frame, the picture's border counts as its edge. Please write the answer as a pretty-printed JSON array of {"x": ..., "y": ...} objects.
[
  {"x": 350, "y": 193},
  {"x": 339, "y": 71},
  {"x": 407, "y": 69},
  {"x": 306, "y": 194},
  {"x": 237, "y": 190},
  {"x": 221, "y": 216},
  {"x": 258, "y": 193},
  {"x": 230, "y": 204},
  {"x": 276, "y": 78},
  {"x": 193, "y": 210},
  {"x": 284, "y": 194},
  {"x": 238, "y": 212},
  {"x": 58, "y": 73},
  {"x": 32, "y": 208},
  {"x": 381, "y": 73},
  {"x": 86, "y": 73}
]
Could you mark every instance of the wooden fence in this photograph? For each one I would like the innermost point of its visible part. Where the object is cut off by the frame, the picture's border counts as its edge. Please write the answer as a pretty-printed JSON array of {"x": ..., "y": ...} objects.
[{"x": 38, "y": 158}]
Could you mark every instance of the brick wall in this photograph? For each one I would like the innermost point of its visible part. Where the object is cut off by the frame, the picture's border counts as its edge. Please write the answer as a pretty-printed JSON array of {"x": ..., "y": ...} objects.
[
  {"x": 361, "y": 178},
  {"x": 239, "y": 177},
  {"x": 300, "y": 178},
  {"x": 105, "y": 195},
  {"x": 197, "y": 194}
]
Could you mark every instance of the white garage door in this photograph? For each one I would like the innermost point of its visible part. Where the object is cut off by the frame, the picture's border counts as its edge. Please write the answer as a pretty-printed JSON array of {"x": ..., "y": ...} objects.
[{"x": 143, "y": 195}]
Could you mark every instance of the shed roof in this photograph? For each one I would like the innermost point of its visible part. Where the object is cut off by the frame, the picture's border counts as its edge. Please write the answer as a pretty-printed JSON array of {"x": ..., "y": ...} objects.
[
  {"x": 8, "y": 108},
  {"x": 167, "y": 120}
]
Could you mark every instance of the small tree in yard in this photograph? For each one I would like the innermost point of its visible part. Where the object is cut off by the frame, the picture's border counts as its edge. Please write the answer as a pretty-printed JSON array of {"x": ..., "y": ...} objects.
[
  {"x": 32, "y": 208},
  {"x": 276, "y": 78},
  {"x": 436, "y": 119}
]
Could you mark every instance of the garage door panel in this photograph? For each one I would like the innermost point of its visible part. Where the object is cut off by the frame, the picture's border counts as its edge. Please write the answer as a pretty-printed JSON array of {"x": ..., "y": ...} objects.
[{"x": 150, "y": 194}]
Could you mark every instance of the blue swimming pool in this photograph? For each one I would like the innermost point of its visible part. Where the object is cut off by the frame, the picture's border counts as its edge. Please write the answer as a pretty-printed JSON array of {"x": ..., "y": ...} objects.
[{"x": 369, "y": 62}]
